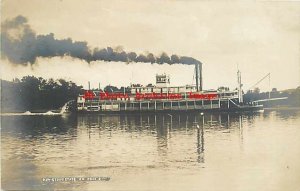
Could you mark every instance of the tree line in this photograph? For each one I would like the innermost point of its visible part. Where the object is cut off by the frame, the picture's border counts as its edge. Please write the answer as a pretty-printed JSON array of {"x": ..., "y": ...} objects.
[
  {"x": 35, "y": 93},
  {"x": 32, "y": 93},
  {"x": 293, "y": 96}
]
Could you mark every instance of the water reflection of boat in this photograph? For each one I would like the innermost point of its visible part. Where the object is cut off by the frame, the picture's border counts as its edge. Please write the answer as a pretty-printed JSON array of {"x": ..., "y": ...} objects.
[
  {"x": 200, "y": 144},
  {"x": 165, "y": 127}
]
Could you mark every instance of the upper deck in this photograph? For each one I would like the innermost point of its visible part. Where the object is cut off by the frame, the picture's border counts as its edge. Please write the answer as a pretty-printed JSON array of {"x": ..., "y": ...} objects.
[{"x": 147, "y": 93}]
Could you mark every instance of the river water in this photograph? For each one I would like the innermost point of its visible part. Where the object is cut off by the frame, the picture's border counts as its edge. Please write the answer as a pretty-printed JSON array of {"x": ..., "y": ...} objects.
[{"x": 191, "y": 151}]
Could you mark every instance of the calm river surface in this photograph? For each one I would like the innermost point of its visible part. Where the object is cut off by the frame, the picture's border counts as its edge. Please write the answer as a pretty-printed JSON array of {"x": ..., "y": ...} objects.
[{"x": 258, "y": 151}]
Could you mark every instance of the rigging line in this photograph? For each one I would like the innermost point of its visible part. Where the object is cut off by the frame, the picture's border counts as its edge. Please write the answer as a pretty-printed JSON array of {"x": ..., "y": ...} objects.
[
  {"x": 234, "y": 103},
  {"x": 260, "y": 81}
]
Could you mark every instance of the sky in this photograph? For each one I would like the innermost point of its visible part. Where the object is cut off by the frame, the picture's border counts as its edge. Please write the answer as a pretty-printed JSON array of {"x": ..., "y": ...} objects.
[{"x": 256, "y": 37}]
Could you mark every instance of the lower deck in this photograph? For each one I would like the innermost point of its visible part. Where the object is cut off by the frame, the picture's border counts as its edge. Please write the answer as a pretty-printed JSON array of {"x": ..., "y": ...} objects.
[{"x": 156, "y": 105}]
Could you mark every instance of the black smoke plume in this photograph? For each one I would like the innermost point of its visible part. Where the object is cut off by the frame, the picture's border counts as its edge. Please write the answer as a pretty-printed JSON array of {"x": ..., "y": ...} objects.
[{"x": 21, "y": 45}]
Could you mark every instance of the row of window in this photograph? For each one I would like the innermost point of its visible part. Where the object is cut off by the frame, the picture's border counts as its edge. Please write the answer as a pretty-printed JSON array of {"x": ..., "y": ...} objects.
[{"x": 159, "y": 104}]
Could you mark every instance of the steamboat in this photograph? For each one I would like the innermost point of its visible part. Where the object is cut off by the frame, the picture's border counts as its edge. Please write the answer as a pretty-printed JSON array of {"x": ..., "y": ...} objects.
[{"x": 162, "y": 97}]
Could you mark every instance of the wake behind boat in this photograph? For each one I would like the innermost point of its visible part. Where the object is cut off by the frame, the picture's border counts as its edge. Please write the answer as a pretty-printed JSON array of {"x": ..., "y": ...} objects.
[
  {"x": 62, "y": 111},
  {"x": 31, "y": 113}
]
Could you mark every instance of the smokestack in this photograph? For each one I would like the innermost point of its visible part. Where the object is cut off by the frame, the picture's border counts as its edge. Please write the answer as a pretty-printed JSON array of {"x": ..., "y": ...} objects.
[
  {"x": 200, "y": 77},
  {"x": 198, "y": 72},
  {"x": 89, "y": 85},
  {"x": 197, "y": 76}
]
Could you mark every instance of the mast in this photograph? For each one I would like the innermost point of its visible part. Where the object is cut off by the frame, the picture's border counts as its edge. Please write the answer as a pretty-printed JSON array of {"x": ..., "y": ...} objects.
[{"x": 240, "y": 92}]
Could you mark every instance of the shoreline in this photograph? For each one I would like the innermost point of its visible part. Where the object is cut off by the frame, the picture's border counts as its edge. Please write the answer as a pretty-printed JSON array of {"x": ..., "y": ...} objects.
[{"x": 285, "y": 108}]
